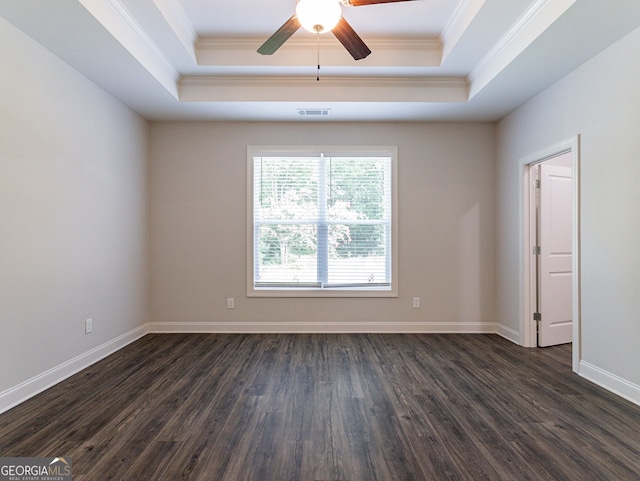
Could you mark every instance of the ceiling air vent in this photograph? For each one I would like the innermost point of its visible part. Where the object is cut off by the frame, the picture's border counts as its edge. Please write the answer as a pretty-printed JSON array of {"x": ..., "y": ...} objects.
[{"x": 313, "y": 112}]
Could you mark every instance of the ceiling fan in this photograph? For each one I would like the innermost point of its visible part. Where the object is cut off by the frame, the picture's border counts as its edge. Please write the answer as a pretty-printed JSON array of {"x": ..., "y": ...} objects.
[{"x": 321, "y": 16}]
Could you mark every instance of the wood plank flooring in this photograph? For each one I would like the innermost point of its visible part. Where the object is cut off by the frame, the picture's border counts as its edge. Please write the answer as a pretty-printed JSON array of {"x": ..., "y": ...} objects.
[{"x": 330, "y": 407}]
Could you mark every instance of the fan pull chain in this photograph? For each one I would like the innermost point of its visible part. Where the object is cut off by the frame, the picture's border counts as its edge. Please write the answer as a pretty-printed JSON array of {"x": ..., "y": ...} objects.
[{"x": 318, "y": 47}]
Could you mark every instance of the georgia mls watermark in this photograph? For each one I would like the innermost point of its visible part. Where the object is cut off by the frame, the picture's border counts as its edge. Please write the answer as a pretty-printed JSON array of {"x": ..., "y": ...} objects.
[{"x": 35, "y": 469}]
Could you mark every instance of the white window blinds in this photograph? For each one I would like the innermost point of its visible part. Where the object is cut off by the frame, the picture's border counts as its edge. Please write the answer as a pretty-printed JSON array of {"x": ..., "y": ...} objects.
[{"x": 322, "y": 221}]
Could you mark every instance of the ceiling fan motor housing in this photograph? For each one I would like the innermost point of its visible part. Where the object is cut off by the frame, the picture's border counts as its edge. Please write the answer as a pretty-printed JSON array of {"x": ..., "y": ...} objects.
[{"x": 318, "y": 16}]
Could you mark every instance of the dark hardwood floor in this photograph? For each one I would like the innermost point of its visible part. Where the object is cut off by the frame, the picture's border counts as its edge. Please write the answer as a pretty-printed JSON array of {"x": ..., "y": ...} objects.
[{"x": 330, "y": 407}]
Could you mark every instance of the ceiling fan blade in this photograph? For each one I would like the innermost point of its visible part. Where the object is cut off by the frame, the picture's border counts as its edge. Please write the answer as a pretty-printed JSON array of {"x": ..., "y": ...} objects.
[
  {"x": 276, "y": 40},
  {"x": 357, "y": 3},
  {"x": 350, "y": 40}
]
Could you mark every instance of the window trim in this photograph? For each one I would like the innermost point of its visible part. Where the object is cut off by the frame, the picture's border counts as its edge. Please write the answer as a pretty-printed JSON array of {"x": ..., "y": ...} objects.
[{"x": 327, "y": 151}]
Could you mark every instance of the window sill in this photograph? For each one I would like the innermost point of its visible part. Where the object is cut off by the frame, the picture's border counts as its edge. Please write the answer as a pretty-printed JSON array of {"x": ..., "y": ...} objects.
[{"x": 321, "y": 293}]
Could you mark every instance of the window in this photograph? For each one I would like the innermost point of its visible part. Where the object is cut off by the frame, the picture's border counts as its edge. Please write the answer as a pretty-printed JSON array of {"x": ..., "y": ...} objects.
[{"x": 322, "y": 222}]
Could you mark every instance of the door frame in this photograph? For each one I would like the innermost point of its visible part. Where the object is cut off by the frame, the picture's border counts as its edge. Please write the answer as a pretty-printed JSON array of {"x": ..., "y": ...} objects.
[{"x": 528, "y": 241}]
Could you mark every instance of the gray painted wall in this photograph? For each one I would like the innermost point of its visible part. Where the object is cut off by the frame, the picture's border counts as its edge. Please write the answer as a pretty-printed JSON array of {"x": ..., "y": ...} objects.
[
  {"x": 73, "y": 212},
  {"x": 600, "y": 101}
]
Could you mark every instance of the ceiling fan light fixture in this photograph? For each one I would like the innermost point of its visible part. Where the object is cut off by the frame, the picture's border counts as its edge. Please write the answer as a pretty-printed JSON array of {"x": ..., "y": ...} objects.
[{"x": 318, "y": 16}]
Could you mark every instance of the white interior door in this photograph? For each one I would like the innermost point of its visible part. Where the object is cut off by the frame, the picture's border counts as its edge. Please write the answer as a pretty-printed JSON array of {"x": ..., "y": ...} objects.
[{"x": 555, "y": 277}]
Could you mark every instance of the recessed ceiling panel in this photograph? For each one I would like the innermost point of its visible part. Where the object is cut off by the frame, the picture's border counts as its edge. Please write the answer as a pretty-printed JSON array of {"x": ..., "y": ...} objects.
[{"x": 251, "y": 17}]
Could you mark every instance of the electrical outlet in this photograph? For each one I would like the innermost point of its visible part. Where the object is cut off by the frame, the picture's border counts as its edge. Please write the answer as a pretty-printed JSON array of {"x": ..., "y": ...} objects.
[
  {"x": 88, "y": 326},
  {"x": 416, "y": 302},
  {"x": 231, "y": 303}
]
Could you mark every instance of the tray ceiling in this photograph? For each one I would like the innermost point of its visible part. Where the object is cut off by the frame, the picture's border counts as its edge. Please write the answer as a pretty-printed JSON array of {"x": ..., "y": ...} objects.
[{"x": 431, "y": 59}]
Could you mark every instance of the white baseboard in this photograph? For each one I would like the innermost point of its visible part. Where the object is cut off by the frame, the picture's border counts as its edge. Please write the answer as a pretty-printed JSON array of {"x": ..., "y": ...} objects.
[
  {"x": 508, "y": 333},
  {"x": 610, "y": 382},
  {"x": 29, "y": 388},
  {"x": 323, "y": 327}
]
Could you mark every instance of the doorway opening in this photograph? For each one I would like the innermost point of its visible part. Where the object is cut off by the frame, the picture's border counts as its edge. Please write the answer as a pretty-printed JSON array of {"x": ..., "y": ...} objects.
[{"x": 550, "y": 248}]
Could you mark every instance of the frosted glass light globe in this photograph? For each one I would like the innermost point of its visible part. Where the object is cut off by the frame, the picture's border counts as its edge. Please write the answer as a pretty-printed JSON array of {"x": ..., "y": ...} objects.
[{"x": 318, "y": 16}]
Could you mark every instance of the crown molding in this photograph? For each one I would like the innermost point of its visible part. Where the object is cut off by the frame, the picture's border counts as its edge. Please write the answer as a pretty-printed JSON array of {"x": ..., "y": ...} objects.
[
  {"x": 462, "y": 17},
  {"x": 119, "y": 22},
  {"x": 179, "y": 23},
  {"x": 327, "y": 89},
  {"x": 540, "y": 15},
  {"x": 139, "y": 33},
  {"x": 399, "y": 52}
]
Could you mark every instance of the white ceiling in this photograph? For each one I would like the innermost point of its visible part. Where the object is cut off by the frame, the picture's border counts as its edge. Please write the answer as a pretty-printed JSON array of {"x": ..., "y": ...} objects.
[{"x": 431, "y": 60}]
